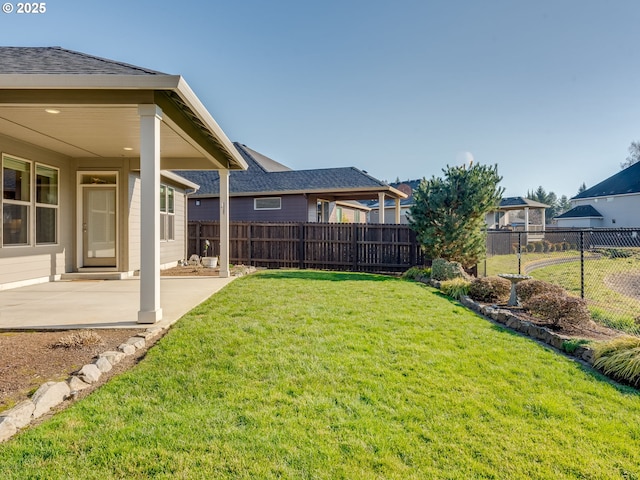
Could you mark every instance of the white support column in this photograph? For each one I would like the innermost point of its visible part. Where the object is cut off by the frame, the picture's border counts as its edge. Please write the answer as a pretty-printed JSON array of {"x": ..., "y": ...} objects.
[
  {"x": 397, "y": 211},
  {"x": 381, "y": 207},
  {"x": 526, "y": 224},
  {"x": 150, "y": 118},
  {"x": 224, "y": 223}
]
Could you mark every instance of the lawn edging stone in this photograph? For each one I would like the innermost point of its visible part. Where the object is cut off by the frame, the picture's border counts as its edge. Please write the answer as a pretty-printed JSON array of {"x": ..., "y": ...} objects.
[
  {"x": 513, "y": 322},
  {"x": 51, "y": 394}
]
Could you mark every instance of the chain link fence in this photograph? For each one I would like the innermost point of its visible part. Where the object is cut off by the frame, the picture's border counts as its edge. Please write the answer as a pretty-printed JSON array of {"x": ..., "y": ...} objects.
[{"x": 600, "y": 265}]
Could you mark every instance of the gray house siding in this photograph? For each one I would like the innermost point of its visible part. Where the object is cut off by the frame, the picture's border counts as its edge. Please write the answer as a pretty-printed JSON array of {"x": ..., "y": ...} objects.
[
  {"x": 41, "y": 262},
  {"x": 294, "y": 208}
]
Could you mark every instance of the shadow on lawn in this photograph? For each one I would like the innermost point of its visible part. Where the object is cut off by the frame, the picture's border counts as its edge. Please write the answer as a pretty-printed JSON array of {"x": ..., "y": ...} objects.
[{"x": 323, "y": 275}]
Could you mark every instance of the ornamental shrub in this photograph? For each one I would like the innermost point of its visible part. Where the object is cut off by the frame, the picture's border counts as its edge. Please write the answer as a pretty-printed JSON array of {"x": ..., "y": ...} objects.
[
  {"x": 455, "y": 288},
  {"x": 530, "y": 247},
  {"x": 417, "y": 273},
  {"x": 443, "y": 270},
  {"x": 490, "y": 289},
  {"x": 558, "y": 309},
  {"x": 620, "y": 359},
  {"x": 530, "y": 288}
]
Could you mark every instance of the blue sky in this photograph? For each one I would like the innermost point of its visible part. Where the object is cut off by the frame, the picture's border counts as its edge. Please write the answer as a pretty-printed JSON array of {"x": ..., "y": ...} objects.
[{"x": 549, "y": 90}]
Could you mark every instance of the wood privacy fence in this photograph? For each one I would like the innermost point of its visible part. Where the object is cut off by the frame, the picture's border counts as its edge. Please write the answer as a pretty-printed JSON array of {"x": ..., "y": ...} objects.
[{"x": 326, "y": 246}]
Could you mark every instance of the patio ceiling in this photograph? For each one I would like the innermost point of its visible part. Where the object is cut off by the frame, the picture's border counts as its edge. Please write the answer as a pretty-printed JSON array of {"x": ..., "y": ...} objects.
[{"x": 103, "y": 121}]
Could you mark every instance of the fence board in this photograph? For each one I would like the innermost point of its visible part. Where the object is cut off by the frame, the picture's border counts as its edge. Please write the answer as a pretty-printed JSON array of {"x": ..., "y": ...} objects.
[{"x": 352, "y": 247}]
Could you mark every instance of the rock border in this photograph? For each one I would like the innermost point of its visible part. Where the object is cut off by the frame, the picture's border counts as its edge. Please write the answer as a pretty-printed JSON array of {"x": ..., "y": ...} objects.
[
  {"x": 52, "y": 394},
  {"x": 513, "y": 322}
]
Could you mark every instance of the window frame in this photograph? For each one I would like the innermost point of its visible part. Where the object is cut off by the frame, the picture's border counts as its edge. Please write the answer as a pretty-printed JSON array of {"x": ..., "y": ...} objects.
[
  {"x": 167, "y": 213},
  {"x": 50, "y": 206},
  {"x": 255, "y": 203},
  {"x": 32, "y": 205}
]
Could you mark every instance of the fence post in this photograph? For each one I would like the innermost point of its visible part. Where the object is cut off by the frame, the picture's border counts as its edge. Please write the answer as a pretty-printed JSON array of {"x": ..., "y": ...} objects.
[
  {"x": 354, "y": 246},
  {"x": 198, "y": 233},
  {"x": 519, "y": 253},
  {"x": 582, "y": 265},
  {"x": 249, "y": 244},
  {"x": 301, "y": 246}
]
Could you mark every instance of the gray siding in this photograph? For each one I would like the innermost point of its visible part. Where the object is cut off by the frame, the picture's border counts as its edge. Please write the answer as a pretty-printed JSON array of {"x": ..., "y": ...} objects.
[
  {"x": 294, "y": 209},
  {"x": 42, "y": 262}
]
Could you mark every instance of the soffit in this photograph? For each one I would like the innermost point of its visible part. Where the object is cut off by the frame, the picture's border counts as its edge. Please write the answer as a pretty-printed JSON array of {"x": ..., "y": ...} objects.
[{"x": 90, "y": 131}]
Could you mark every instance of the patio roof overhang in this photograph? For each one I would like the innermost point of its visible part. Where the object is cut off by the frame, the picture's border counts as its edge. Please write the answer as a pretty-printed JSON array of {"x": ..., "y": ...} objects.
[
  {"x": 337, "y": 194},
  {"x": 98, "y": 118}
]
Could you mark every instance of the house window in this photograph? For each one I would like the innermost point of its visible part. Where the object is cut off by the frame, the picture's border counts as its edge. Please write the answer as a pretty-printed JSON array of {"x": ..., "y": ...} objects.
[
  {"x": 18, "y": 202},
  {"x": 46, "y": 204},
  {"x": 356, "y": 216},
  {"x": 339, "y": 214},
  {"x": 267, "y": 203},
  {"x": 167, "y": 213}
]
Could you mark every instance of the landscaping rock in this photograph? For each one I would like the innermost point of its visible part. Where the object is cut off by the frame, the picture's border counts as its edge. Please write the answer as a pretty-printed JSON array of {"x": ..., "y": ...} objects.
[
  {"x": 556, "y": 341},
  {"x": 21, "y": 413},
  {"x": 103, "y": 364},
  {"x": 513, "y": 322},
  {"x": 48, "y": 396},
  {"x": 502, "y": 315},
  {"x": 587, "y": 355},
  {"x": 90, "y": 373},
  {"x": 150, "y": 333},
  {"x": 127, "y": 349},
  {"x": 7, "y": 428},
  {"x": 137, "y": 342},
  {"x": 113, "y": 357},
  {"x": 76, "y": 384}
]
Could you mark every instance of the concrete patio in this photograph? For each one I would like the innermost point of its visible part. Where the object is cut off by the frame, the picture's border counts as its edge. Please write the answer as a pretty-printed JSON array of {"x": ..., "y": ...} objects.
[{"x": 99, "y": 303}]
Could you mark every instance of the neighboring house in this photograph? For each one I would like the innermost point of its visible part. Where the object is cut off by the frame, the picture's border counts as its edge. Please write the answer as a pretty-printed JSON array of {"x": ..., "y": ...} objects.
[
  {"x": 519, "y": 214},
  {"x": 269, "y": 191},
  {"x": 407, "y": 187},
  {"x": 612, "y": 203},
  {"x": 87, "y": 145}
]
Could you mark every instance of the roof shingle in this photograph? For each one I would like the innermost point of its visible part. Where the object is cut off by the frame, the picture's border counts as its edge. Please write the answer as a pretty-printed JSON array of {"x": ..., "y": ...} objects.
[
  {"x": 258, "y": 178},
  {"x": 624, "y": 182},
  {"x": 59, "y": 61}
]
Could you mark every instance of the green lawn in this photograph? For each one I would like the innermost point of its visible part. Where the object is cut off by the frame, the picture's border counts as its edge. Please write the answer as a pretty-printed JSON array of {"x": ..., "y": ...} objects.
[{"x": 333, "y": 375}]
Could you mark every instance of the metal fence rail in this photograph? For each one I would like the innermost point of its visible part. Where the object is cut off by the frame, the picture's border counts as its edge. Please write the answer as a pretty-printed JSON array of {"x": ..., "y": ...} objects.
[
  {"x": 328, "y": 246},
  {"x": 600, "y": 265}
]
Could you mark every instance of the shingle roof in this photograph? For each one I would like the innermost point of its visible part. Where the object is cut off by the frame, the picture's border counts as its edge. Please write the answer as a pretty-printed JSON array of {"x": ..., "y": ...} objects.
[
  {"x": 624, "y": 182},
  {"x": 404, "y": 202},
  {"x": 520, "y": 202},
  {"x": 257, "y": 179},
  {"x": 581, "y": 211},
  {"x": 59, "y": 61}
]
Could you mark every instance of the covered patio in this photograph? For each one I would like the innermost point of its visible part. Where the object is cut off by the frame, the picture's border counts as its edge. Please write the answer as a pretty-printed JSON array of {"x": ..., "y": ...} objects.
[
  {"x": 87, "y": 148},
  {"x": 99, "y": 303}
]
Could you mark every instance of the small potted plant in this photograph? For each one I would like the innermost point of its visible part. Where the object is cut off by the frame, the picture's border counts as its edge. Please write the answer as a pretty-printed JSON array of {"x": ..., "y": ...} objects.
[{"x": 209, "y": 262}]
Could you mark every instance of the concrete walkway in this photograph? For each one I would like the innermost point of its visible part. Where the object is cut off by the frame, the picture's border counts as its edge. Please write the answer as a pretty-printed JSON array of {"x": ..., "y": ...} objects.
[{"x": 99, "y": 303}]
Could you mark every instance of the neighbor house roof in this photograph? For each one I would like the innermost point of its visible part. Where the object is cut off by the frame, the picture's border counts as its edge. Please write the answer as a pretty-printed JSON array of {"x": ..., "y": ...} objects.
[
  {"x": 624, "y": 182},
  {"x": 581, "y": 211},
  {"x": 94, "y": 94},
  {"x": 407, "y": 187},
  {"x": 514, "y": 203},
  {"x": 266, "y": 176}
]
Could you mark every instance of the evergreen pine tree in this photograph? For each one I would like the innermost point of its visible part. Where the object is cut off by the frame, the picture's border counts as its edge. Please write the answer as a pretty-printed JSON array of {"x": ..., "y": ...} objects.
[{"x": 449, "y": 213}]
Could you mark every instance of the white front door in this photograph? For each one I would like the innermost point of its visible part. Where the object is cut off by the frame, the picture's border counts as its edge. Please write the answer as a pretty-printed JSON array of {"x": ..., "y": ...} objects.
[{"x": 99, "y": 226}]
